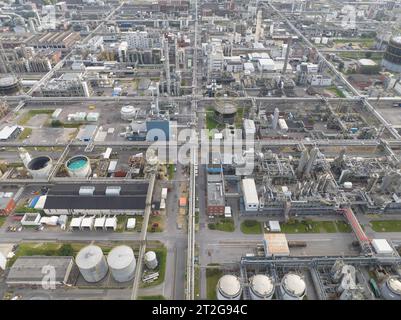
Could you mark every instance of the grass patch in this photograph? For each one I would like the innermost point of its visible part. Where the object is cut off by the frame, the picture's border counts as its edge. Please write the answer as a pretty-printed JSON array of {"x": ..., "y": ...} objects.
[
  {"x": 170, "y": 169},
  {"x": 212, "y": 277},
  {"x": 210, "y": 122},
  {"x": 2, "y": 220},
  {"x": 197, "y": 283},
  {"x": 121, "y": 223},
  {"x": 386, "y": 225},
  {"x": 153, "y": 220},
  {"x": 251, "y": 227},
  {"x": 342, "y": 226},
  {"x": 157, "y": 297},
  {"x": 31, "y": 113},
  {"x": 25, "y": 133},
  {"x": 309, "y": 226},
  {"x": 224, "y": 224},
  {"x": 336, "y": 91},
  {"x": 161, "y": 255}
]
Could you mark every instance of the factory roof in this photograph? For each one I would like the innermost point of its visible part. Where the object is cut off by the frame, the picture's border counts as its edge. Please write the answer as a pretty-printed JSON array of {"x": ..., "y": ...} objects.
[
  {"x": 367, "y": 62},
  {"x": 382, "y": 246},
  {"x": 100, "y": 189},
  {"x": 276, "y": 244},
  {"x": 30, "y": 268},
  {"x": 7, "y": 131}
]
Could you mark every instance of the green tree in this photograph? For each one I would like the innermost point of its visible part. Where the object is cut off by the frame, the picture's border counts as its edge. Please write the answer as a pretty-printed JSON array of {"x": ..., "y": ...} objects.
[{"x": 66, "y": 250}]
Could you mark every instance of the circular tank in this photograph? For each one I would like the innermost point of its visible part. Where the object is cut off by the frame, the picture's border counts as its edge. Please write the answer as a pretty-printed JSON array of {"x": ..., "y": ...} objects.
[
  {"x": 262, "y": 287},
  {"x": 122, "y": 263},
  {"x": 151, "y": 259},
  {"x": 92, "y": 263},
  {"x": 127, "y": 112},
  {"x": 392, "y": 56},
  {"x": 229, "y": 288},
  {"x": 391, "y": 288},
  {"x": 78, "y": 166},
  {"x": 9, "y": 84},
  {"x": 293, "y": 287},
  {"x": 40, "y": 167}
]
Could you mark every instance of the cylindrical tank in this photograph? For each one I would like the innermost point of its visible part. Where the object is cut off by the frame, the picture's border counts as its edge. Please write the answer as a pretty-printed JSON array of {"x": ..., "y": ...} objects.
[
  {"x": 261, "y": 287},
  {"x": 228, "y": 288},
  {"x": 40, "y": 167},
  {"x": 392, "y": 56},
  {"x": 127, "y": 113},
  {"x": 78, "y": 166},
  {"x": 391, "y": 288},
  {"x": 293, "y": 287},
  {"x": 151, "y": 259},
  {"x": 9, "y": 84},
  {"x": 122, "y": 263},
  {"x": 92, "y": 263}
]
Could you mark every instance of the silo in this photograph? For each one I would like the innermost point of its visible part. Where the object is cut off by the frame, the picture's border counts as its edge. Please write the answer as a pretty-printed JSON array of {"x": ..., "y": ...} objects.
[
  {"x": 122, "y": 263},
  {"x": 391, "y": 288},
  {"x": 293, "y": 287},
  {"x": 228, "y": 288},
  {"x": 261, "y": 287},
  {"x": 151, "y": 259},
  {"x": 78, "y": 166},
  {"x": 40, "y": 167},
  {"x": 92, "y": 263}
]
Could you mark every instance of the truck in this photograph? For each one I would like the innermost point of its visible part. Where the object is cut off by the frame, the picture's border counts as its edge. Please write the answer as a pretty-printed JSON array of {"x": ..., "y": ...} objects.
[{"x": 397, "y": 105}]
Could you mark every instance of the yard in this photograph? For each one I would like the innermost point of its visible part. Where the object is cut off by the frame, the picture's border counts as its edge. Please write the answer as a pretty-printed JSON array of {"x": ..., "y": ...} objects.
[
  {"x": 2, "y": 220},
  {"x": 212, "y": 278},
  {"x": 31, "y": 113},
  {"x": 156, "y": 223},
  {"x": 210, "y": 122},
  {"x": 310, "y": 226},
  {"x": 386, "y": 225},
  {"x": 336, "y": 91},
  {"x": 223, "y": 224},
  {"x": 251, "y": 227},
  {"x": 25, "y": 133}
]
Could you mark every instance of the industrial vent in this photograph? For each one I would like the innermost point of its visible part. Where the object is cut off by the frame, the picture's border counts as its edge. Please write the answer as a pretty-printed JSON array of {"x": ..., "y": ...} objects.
[
  {"x": 113, "y": 191},
  {"x": 86, "y": 190}
]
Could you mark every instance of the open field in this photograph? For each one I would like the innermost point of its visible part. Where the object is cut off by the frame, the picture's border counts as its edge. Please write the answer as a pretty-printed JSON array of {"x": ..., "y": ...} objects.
[
  {"x": 386, "y": 225},
  {"x": 310, "y": 226}
]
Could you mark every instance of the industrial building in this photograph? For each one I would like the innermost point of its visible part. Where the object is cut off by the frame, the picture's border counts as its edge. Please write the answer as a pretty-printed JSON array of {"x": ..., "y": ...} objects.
[{"x": 215, "y": 194}]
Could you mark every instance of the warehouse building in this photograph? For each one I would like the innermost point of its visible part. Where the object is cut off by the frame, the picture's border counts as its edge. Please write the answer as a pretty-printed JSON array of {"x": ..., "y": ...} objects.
[
  {"x": 10, "y": 132},
  {"x": 215, "y": 194},
  {"x": 102, "y": 200},
  {"x": 30, "y": 271},
  {"x": 250, "y": 195}
]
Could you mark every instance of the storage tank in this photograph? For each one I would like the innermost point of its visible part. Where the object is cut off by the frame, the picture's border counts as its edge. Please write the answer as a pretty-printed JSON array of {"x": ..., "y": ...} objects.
[
  {"x": 391, "y": 288},
  {"x": 293, "y": 287},
  {"x": 151, "y": 259},
  {"x": 228, "y": 288},
  {"x": 122, "y": 263},
  {"x": 128, "y": 112},
  {"x": 261, "y": 287},
  {"x": 79, "y": 166},
  {"x": 92, "y": 263},
  {"x": 40, "y": 167}
]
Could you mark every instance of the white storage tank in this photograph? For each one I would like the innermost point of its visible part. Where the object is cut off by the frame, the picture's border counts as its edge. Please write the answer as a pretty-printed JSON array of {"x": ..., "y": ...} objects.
[
  {"x": 151, "y": 260},
  {"x": 122, "y": 263},
  {"x": 128, "y": 113},
  {"x": 40, "y": 167},
  {"x": 229, "y": 288},
  {"x": 293, "y": 287},
  {"x": 92, "y": 263},
  {"x": 78, "y": 166},
  {"x": 391, "y": 288},
  {"x": 261, "y": 287}
]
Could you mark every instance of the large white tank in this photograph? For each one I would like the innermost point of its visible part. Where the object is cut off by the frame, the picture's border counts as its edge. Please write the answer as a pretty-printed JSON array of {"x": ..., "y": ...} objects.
[
  {"x": 391, "y": 288},
  {"x": 122, "y": 263},
  {"x": 151, "y": 259},
  {"x": 293, "y": 287},
  {"x": 128, "y": 113},
  {"x": 40, "y": 167},
  {"x": 78, "y": 166},
  {"x": 228, "y": 288},
  {"x": 261, "y": 287},
  {"x": 92, "y": 263}
]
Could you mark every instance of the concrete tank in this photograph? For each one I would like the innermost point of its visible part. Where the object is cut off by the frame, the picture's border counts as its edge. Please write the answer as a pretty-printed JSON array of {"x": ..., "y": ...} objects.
[
  {"x": 293, "y": 287},
  {"x": 151, "y": 260},
  {"x": 261, "y": 287},
  {"x": 92, "y": 263},
  {"x": 78, "y": 166},
  {"x": 228, "y": 288},
  {"x": 391, "y": 288},
  {"x": 40, "y": 167},
  {"x": 122, "y": 263}
]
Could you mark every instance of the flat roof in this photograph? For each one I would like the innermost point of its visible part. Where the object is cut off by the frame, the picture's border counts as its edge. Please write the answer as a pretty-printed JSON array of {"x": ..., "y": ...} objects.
[
  {"x": 140, "y": 188},
  {"x": 276, "y": 244}
]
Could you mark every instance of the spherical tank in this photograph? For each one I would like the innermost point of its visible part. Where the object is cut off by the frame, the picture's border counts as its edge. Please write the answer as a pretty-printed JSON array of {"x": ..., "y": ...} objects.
[
  {"x": 229, "y": 288},
  {"x": 262, "y": 287},
  {"x": 78, "y": 166},
  {"x": 151, "y": 259},
  {"x": 293, "y": 287},
  {"x": 391, "y": 288},
  {"x": 40, "y": 167},
  {"x": 92, "y": 263},
  {"x": 122, "y": 263}
]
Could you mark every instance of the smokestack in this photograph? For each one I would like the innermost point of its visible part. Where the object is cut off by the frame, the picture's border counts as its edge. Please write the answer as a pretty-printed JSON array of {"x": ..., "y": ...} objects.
[
  {"x": 287, "y": 55},
  {"x": 258, "y": 25},
  {"x": 275, "y": 118}
]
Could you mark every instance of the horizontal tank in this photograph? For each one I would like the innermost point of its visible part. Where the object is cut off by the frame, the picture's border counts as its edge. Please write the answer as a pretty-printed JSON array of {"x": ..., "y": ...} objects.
[
  {"x": 293, "y": 287},
  {"x": 92, "y": 263},
  {"x": 40, "y": 167},
  {"x": 151, "y": 259},
  {"x": 79, "y": 166},
  {"x": 391, "y": 288},
  {"x": 261, "y": 287},
  {"x": 229, "y": 288},
  {"x": 122, "y": 263}
]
